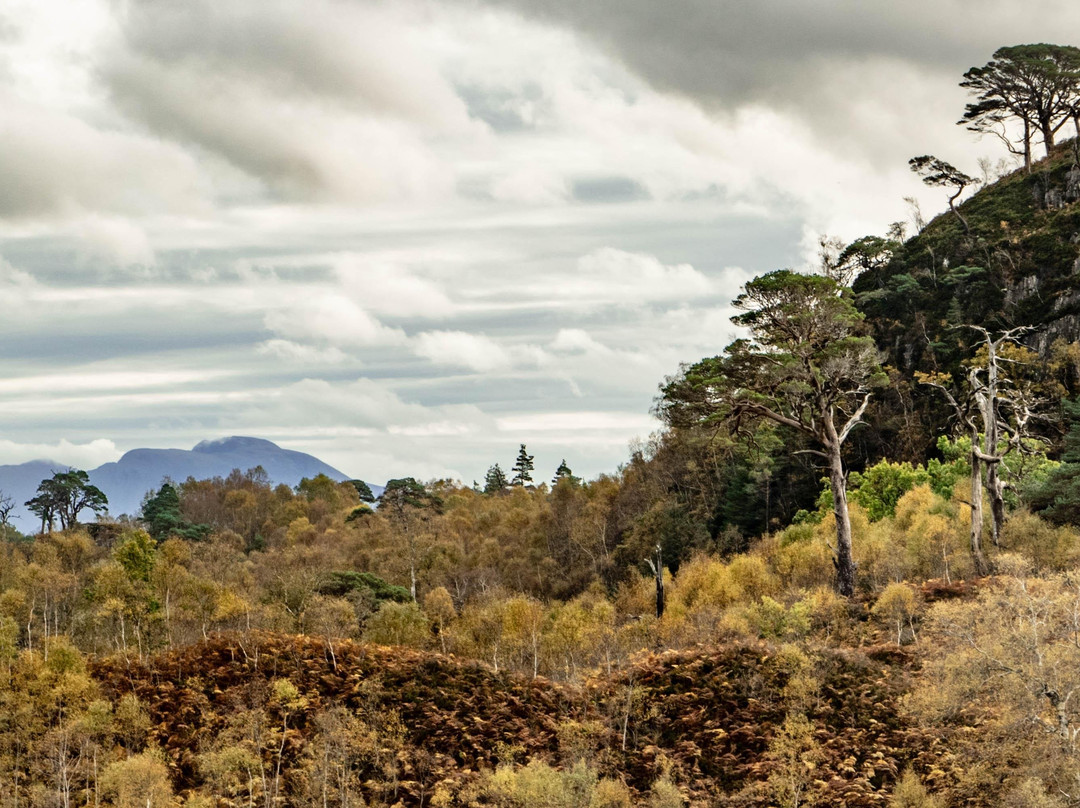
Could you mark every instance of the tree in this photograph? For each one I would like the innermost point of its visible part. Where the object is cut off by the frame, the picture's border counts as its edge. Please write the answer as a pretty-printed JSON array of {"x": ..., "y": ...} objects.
[
  {"x": 808, "y": 367},
  {"x": 1009, "y": 660},
  {"x": 1037, "y": 86},
  {"x": 405, "y": 501},
  {"x": 363, "y": 490},
  {"x": 996, "y": 411},
  {"x": 495, "y": 480},
  {"x": 523, "y": 467},
  {"x": 7, "y": 505},
  {"x": 563, "y": 472},
  {"x": 163, "y": 516},
  {"x": 1058, "y": 498},
  {"x": 935, "y": 171},
  {"x": 65, "y": 495}
]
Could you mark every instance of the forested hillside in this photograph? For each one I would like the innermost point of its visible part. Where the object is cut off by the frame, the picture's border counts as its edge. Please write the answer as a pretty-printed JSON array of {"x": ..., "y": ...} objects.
[{"x": 843, "y": 573}]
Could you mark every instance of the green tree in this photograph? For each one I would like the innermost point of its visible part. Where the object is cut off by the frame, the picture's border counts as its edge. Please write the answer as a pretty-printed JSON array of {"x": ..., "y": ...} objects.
[
  {"x": 363, "y": 490},
  {"x": 1037, "y": 86},
  {"x": 163, "y": 516},
  {"x": 934, "y": 171},
  {"x": 495, "y": 480},
  {"x": 1058, "y": 498},
  {"x": 523, "y": 468},
  {"x": 808, "y": 366},
  {"x": 563, "y": 472},
  {"x": 65, "y": 495},
  {"x": 406, "y": 502}
]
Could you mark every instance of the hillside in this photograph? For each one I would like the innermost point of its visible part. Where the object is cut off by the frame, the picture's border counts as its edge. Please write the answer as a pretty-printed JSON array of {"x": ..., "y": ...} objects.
[
  {"x": 1018, "y": 265},
  {"x": 707, "y": 719}
]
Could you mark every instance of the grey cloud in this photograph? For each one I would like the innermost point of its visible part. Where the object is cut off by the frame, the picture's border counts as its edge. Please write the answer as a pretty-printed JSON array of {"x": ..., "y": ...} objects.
[
  {"x": 502, "y": 109},
  {"x": 866, "y": 78},
  {"x": 53, "y": 163},
  {"x": 735, "y": 52},
  {"x": 358, "y": 54},
  {"x": 325, "y": 101},
  {"x": 609, "y": 189}
]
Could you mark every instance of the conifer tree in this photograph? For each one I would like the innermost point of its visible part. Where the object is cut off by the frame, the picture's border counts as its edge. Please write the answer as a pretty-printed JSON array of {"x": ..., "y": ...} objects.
[
  {"x": 1058, "y": 499},
  {"x": 563, "y": 472},
  {"x": 495, "y": 480},
  {"x": 523, "y": 467},
  {"x": 809, "y": 366}
]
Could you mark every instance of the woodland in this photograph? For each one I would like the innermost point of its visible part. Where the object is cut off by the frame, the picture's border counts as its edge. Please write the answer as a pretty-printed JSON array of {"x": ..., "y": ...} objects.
[{"x": 845, "y": 572}]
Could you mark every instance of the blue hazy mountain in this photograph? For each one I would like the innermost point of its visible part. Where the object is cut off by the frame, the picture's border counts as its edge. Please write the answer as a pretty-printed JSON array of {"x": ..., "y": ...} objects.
[{"x": 126, "y": 481}]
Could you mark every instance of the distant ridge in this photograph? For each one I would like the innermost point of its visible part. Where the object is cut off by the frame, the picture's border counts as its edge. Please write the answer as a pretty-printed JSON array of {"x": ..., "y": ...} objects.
[{"x": 126, "y": 481}]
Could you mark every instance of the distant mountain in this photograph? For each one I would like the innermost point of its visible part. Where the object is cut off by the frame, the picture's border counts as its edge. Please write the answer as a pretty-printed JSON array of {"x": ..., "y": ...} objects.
[{"x": 126, "y": 481}]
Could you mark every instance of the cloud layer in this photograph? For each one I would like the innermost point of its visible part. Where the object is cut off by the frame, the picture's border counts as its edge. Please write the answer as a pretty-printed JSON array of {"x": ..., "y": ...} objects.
[{"x": 407, "y": 236}]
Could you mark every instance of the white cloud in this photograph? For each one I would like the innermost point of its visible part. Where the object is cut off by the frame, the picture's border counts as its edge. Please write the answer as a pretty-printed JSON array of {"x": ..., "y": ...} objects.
[
  {"x": 104, "y": 380},
  {"x": 609, "y": 276},
  {"x": 391, "y": 289},
  {"x": 80, "y": 455},
  {"x": 115, "y": 240},
  {"x": 459, "y": 349},
  {"x": 332, "y": 319},
  {"x": 301, "y": 354},
  {"x": 573, "y": 421},
  {"x": 329, "y": 101},
  {"x": 577, "y": 341}
]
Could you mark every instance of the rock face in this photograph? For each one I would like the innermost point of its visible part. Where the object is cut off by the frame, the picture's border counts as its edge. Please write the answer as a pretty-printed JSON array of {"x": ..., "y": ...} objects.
[
  {"x": 1016, "y": 264},
  {"x": 127, "y": 481}
]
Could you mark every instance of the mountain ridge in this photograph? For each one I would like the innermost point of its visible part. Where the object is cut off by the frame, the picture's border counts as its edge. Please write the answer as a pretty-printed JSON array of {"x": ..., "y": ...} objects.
[{"x": 127, "y": 480}]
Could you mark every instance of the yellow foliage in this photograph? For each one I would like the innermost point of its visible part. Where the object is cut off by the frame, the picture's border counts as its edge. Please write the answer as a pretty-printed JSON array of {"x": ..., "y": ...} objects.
[
  {"x": 538, "y": 785},
  {"x": 140, "y": 781},
  {"x": 664, "y": 794},
  {"x": 706, "y": 581},
  {"x": 1048, "y": 547},
  {"x": 751, "y": 574},
  {"x": 398, "y": 624},
  {"x": 897, "y": 606},
  {"x": 911, "y": 793},
  {"x": 803, "y": 559},
  {"x": 1031, "y": 793},
  {"x": 610, "y": 794}
]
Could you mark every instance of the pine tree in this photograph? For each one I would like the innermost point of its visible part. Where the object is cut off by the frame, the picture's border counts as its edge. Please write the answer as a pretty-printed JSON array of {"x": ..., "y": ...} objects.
[
  {"x": 1058, "y": 498},
  {"x": 495, "y": 480},
  {"x": 523, "y": 467},
  {"x": 563, "y": 472}
]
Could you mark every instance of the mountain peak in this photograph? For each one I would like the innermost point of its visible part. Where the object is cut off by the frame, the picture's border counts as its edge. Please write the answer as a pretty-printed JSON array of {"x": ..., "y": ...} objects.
[{"x": 234, "y": 443}]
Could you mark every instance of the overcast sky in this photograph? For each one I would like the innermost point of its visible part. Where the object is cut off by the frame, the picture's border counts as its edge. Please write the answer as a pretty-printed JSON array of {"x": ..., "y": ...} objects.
[{"x": 408, "y": 236}]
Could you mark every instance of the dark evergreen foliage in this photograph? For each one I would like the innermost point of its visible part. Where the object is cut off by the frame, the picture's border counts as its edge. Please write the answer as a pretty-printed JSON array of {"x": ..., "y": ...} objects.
[
  {"x": 363, "y": 490},
  {"x": 164, "y": 518},
  {"x": 1058, "y": 498},
  {"x": 495, "y": 481},
  {"x": 523, "y": 468},
  {"x": 341, "y": 584}
]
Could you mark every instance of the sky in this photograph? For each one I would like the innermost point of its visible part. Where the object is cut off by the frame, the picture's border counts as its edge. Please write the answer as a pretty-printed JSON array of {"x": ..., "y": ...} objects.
[{"x": 408, "y": 236}]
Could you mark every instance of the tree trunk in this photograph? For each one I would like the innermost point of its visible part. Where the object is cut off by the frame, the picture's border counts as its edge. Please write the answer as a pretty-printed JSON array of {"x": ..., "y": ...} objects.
[
  {"x": 845, "y": 564},
  {"x": 996, "y": 486},
  {"x": 1027, "y": 146},
  {"x": 977, "y": 515},
  {"x": 1048, "y": 136},
  {"x": 658, "y": 569}
]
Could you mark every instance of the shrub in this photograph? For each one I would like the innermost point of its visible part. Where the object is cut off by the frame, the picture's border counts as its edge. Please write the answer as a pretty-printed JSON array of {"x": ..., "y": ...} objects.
[{"x": 398, "y": 624}]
